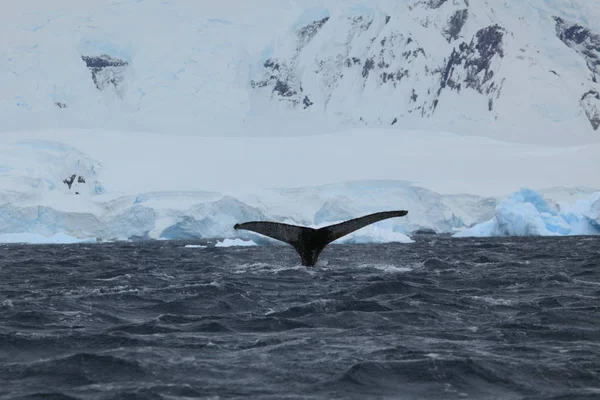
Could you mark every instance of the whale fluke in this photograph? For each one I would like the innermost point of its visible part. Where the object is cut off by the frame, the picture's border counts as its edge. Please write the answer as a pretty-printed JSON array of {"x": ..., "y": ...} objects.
[{"x": 310, "y": 242}]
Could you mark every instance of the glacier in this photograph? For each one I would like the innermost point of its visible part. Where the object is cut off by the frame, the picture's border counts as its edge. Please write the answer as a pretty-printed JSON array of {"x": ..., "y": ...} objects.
[
  {"x": 53, "y": 193},
  {"x": 188, "y": 216},
  {"x": 527, "y": 213}
]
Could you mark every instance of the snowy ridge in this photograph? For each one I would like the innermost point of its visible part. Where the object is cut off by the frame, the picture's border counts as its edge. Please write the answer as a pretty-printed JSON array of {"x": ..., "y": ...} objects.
[{"x": 304, "y": 67}]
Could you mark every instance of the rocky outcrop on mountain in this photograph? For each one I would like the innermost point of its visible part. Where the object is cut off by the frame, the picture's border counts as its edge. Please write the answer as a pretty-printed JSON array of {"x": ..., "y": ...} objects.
[
  {"x": 106, "y": 71},
  {"x": 366, "y": 50},
  {"x": 281, "y": 78},
  {"x": 591, "y": 105},
  {"x": 283, "y": 84},
  {"x": 306, "y": 33},
  {"x": 587, "y": 44},
  {"x": 471, "y": 65},
  {"x": 583, "y": 41},
  {"x": 455, "y": 24}
]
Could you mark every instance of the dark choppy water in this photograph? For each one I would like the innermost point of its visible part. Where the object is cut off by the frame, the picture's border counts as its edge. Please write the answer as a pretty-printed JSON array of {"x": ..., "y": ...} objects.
[{"x": 441, "y": 318}]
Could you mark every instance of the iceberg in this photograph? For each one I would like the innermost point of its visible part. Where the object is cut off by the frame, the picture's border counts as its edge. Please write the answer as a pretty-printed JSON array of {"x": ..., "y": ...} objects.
[{"x": 527, "y": 213}]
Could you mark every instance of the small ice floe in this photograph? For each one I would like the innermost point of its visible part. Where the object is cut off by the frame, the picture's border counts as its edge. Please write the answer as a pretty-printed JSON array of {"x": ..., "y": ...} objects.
[
  {"x": 195, "y": 246},
  {"x": 235, "y": 243}
]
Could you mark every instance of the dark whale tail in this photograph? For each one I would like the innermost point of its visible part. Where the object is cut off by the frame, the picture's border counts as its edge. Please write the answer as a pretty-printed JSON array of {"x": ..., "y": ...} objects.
[{"x": 310, "y": 242}]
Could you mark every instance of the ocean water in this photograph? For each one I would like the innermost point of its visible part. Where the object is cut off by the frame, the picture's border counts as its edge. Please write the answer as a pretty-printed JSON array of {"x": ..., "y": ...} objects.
[{"x": 443, "y": 318}]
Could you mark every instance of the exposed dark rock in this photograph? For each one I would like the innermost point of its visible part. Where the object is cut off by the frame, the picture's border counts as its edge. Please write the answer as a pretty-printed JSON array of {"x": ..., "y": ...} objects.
[
  {"x": 307, "y": 103},
  {"x": 470, "y": 65},
  {"x": 383, "y": 64},
  {"x": 103, "y": 61},
  {"x": 583, "y": 40},
  {"x": 259, "y": 84},
  {"x": 394, "y": 77},
  {"x": 352, "y": 61},
  {"x": 283, "y": 89},
  {"x": 387, "y": 19},
  {"x": 369, "y": 65},
  {"x": 106, "y": 70},
  {"x": 363, "y": 23},
  {"x": 390, "y": 58},
  {"x": 60, "y": 104},
  {"x": 69, "y": 181},
  {"x": 489, "y": 43},
  {"x": 590, "y": 102},
  {"x": 414, "y": 53},
  {"x": 283, "y": 82},
  {"x": 271, "y": 64},
  {"x": 455, "y": 24},
  {"x": 454, "y": 61},
  {"x": 414, "y": 96},
  {"x": 475, "y": 57},
  {"x": 306, "y": 33},
  {"x": 435, "y": 3}
]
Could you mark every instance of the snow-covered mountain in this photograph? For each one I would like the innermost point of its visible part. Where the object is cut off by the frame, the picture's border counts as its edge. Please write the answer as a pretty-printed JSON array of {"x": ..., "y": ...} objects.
[
  {"x": 525, "y": 71},
  {"x": 165, "y": 119}
]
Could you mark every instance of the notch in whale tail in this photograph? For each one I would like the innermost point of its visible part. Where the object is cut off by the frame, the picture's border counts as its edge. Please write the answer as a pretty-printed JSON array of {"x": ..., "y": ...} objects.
[{"x": 310, "y": 242}]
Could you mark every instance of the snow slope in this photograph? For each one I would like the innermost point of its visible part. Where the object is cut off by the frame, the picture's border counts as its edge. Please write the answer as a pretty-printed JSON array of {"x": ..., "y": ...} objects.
[
  {"x": 510, "y": 70},
  {"x": 134, "y": 163}
]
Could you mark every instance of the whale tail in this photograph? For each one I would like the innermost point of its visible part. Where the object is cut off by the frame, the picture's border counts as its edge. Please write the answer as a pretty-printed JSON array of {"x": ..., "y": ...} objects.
[{"x": 310, "y": 242}]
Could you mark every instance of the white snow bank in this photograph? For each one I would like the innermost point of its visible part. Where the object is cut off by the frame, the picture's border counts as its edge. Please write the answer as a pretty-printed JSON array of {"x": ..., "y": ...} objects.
[
  {"x": 143, "y": 162},
  {"x": 34, "y": 238},
  {"x": 235, "y": 243},
  {"x": 526, "y": 213}
]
